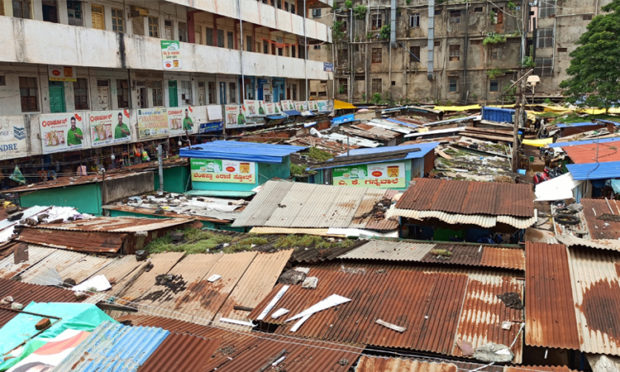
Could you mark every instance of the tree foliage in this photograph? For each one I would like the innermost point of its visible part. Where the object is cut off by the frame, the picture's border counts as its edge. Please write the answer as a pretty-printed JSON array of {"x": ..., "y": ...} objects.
[{"x": 595, "y": 69}]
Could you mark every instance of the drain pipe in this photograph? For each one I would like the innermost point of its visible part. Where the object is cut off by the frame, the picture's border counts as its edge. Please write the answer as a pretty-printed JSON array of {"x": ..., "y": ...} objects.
[
  {"x": 393, "y": 23},
  {"x": 431, "y": 39},
  {"x": 241, "y": 52}
]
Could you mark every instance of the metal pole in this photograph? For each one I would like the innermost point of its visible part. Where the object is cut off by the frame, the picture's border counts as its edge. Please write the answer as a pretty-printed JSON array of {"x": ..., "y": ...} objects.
[
  {"x": 160, "y": 170},
  {"x": 241, "y": 51},
  {"x": 305, "y": 51}
]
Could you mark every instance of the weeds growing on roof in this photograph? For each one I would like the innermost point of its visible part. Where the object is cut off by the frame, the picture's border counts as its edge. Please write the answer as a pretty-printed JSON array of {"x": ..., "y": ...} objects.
[{"x": 310, "y": 241}]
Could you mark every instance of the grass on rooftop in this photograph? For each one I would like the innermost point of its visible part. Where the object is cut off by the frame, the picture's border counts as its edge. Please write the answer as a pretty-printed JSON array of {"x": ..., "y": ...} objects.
[{"x": 201, "y": 241}]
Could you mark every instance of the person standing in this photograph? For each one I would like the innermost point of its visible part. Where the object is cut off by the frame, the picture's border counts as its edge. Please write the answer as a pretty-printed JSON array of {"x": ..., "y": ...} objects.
[{"x": 74, "y": 134}]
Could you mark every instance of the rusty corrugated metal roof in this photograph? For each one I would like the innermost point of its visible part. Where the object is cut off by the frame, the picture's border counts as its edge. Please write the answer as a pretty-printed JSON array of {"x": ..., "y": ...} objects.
[
  {"x": 468, "y": 197},
  {"x": 596, "y": 212},
  {"x": 182, "y": 352},
  {"x": 461, "y": 254},
  {"x": 537, "y": 368},
  {"x": 72, "y": 181},
  {"x": 574, "y": 299},
  {"x": 442, "y": 306},
  {"x": 593, "y": 153},
  {"x": 8, "y": 267},
  {"x": 117, "y": 224},
  {"x": 93, "y": 242},
  {"x": 550, "y": 320},
  {"x": 376, "y": 364},
  {"x": 242, "y": 351}
]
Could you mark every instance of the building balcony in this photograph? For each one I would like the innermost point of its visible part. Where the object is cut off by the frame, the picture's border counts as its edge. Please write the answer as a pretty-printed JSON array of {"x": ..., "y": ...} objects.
[
  {"x": 256, "y": 12},
  {"x": 38, "y": 42}
]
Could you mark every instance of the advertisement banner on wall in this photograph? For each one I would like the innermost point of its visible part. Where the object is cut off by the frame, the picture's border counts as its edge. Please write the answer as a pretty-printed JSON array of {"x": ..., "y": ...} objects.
[
  {"x": 214, "y": 112},
  {"x": 61, "y": 73},
  {"x": 287, "y": 105},
  {"x": 272, "y": 108},
  {"x": 62, "y": 132},
  {"x": 385, "y": 175},
  {"x": 152, "y": 122},
  {"x": 254, "y": 108},
  {"x": 13, "y": 137},
  {"x": 109, "y": 127},
  {"x": 182, "y": 120},
  {"x": 171, "y": 54},
  {"x": 218, "y": 170},
  {"x": 320, "y": 106},
  {"x": 301, "y": 106},
  {"x": 234, "y": 115}
]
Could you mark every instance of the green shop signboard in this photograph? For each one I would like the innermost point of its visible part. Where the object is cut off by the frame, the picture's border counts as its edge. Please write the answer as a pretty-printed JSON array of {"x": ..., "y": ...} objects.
[
  {"x": 385, "y": 175},
  {"x": 218, "y": 170}
]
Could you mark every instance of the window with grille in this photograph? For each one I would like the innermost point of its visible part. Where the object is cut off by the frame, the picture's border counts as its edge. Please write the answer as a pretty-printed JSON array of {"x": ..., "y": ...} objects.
[
  {"x": 376, "y": 21},
  {"x": 183, "y": 31},
  {"x": 209, "y": 36},
  {"x": 97, "y": 16},
  {"x": 158, "y": 96},
  {"x": 414, "y": 20},
  {"x": 376, "y": 55},
  {"x": 29, "y": 94},
  {"x": 414, "y": 54},
  {"x": 544, "y": 67},
  {"x": 21, "y": 9},
  {"x": 494, "y": 86},
  {"x": 232, "y": 91},
  {"x": 376, "y": 86},
  {"x": 230, "y": 37},
  {"x": 546, "y": 9},
  {"x": 343, "y": 86},
  {"x": 118, "y": 21},
  {"x": 122, "y": 93},
  {"x": 80, "y": 93},
  {"x": 455, "y": 16},
  {"x": 453, "y": 84},
  {"x": 455, "y": 52},
  {"x": 496, "y": 53},
  {"x": 316, "y": 13},
  {"x": 220, "y": 38},
  {"x": 249, "y": 44},
  {"x": 544, "y": 38},
  {"x": 153, "y": 27}
]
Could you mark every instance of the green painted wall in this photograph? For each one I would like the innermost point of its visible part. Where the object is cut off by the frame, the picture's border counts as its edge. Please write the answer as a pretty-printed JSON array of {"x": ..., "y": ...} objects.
[
  {"x": 176, "y": 179},
  {"x": 84, "y": 198},
  {"x": 207, "y": 224},
  {"x": 320, "y": 178}
]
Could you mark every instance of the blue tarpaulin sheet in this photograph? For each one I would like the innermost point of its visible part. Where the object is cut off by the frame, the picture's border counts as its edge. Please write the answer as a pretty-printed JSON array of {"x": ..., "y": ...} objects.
[
  {"x": 292, "y": 113},
  {"x": 595, "y": 171},
  {"x": 242, "y": 151},
  {"x": 410, "y": 125}
]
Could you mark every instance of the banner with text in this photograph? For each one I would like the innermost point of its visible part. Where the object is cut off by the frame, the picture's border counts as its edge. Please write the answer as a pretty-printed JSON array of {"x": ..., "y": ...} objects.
[
  {"x": 234, "y": 115},
  {"x": 385, "y": 175},
  {"x": 321, "y": 106},
  {"x": 182, "y": 120},
  {"x": 218, "y": 170},
  {"x": 171, "y": 54},
  {"x": 61, "y": 73},
  {"x": 301, "y": 106},
  {"x": 272, "y": 108},
  {"x": 253, "y": 108},
  {"x": 152, "y": 122},
  {"x": 287, "y": 105},
  {"x": 62, "y": 132},
  {"x": 109, "y": 127},
  {"x": 13, "y": 137}
]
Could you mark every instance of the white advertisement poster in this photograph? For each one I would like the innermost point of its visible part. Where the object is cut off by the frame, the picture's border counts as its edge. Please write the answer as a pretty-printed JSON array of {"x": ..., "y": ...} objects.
[
  {"x": 301, "y": 106},
  {"x": 62, "y": 132},
  {"x": 152, "y": 122},
  {"x": 182, "y": 120},
  {"x": 110, "y": 127},
  {"x": 13, "y": 137},
  {"x": 214, "y": 112},
  {"x": 287, "y": 105}
]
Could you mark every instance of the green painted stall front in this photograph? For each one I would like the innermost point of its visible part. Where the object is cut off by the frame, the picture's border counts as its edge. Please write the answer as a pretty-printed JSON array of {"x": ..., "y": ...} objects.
[
  {"x": 263, "y": 173},
  {"x": 84, "y": 198},
  {"x": 324, "y": 176},
  {"x": 176, "y": 179}
]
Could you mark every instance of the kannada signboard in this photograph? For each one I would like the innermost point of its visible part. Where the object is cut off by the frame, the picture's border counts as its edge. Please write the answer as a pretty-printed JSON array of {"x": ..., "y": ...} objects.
[
  {"x": 301, "y": 106},
  {"x": 182, "y": 120},
  {"x": 320, "y": 106},
  {"x": 152, "y": 122},
  {"x": 171, "y": 54},
  {"x": 272, "y": 108},
  {"x": 61, "y": 73},
  {"x": 287, "y": 105},
  {"x": 13, "y": 139},
  {"x": 234, "y": 115},
  {"x": 62, "y": 132},
  {"x": 219, "y": 170},
  {"x": 385, "y": 175},
  {"x": 328, "y": 67},
  {"x": 109, "y": 127},
  {"x": 253, "y": 108}
]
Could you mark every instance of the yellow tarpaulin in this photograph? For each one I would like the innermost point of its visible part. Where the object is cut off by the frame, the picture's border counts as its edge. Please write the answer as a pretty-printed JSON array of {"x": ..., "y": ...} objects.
[
  {"x": 342, "y": 105},
  {"x": 457, "y": 108},
  {"x": 538, "y": 142}
]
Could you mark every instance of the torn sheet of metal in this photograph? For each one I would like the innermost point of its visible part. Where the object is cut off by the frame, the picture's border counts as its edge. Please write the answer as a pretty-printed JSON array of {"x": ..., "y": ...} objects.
[
  {"x": 391, "y": 326},
  {"x": 214, "y": 278},
  {"x": 237, "y": 322},
  {"x": 273, "y": 302},
  {"x": 310, "y": 282},
  {"x": 331, "y": 301},
  {"x": 278, "y": 313},
  {"x": 99, "y": 283}
]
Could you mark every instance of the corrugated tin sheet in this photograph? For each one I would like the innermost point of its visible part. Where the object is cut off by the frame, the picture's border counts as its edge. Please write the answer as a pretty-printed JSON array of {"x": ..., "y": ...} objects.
[
  {"x": 24, "y": 293},
  {"x": 92, "y": 242},
  {"x": 601, "y": 152},
  {"x": 485, "y": 221},
  {"x": 241, "y": 351},
  {"x": 469, "y": 197},
  {"x": 302, "y": 205},
  {"x": 376, "y": 364},
  {"x": 84, "y": 268},
  {"x": 117, "y": 224},
  {"x": 595, "y": 277},
  {"x": 584, "y": 142},
  {"x": 246, "y": 151},
  {"x": 182, "y": 353},
  {"x": 600, "y": 227},
  {"x": 537, "y": 368},
  {"x": 162, "y": 263},
  {"x": 8, "y": 267},
  {"x": 58, "y": 261},
  {"x": 72, "y": 181},
  {"x": 595, "y": 171},
  {"x": 114, "y": 347},
  {"x": 442, "y": 306}
]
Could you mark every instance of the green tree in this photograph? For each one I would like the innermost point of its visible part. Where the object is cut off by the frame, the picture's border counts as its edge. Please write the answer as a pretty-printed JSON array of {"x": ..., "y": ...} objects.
[{"x": 594, "y": 70}]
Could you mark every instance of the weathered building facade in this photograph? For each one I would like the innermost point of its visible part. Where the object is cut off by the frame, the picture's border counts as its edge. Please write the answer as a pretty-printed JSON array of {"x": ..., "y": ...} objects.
[{"x": 452, "y": 51}]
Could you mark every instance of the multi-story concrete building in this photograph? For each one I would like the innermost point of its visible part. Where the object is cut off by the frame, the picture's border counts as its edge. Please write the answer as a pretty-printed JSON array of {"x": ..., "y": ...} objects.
[
  {"x": 452, "y": 51},
  {"x": 96, "y": 55}
]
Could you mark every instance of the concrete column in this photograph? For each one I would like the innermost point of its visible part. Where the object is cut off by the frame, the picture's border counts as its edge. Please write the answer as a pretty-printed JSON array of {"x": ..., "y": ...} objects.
[
  {"x": 87, "y": 15},
  {"x": 8, "y": 7},
  {"x": 107, "y": 11},
  {"x": 37, "y": 10},
  {"x": 113, "y": 93},
  {"x": 63, "y": 16},
  {"x": 69, "y": 97}
]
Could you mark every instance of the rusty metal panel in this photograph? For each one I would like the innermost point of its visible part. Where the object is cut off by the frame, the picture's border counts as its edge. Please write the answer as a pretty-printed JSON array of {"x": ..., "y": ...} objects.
[
  {"x": 509, "y": 258},
  {"x": 119, "y": 268},
  {"x": 390, "y": 251},
  {"x": 180, "y": 352},
  {"x": 468, "y": 197},
  {"x": 263, "y": 205},
  {"x": 256, "y": 283},
  {"x": 162, "y": 263},
  {"x": 117, "y": 224},
  {"x": 595, "y": 278},
  {"x": 375, "y": 364},
  {"x": 24, "y": 293},
  {"x": 84, "y": 268},
  {"x": 93, "y": 242},
  {"x": 599, "y": 226},
  {"x": 550, "y": 320},
  {"x": 483, "y": 314},
  {"x": 431, "y": 314},
  {"x": 58, "y": 260},
  {"x": 8, "y": 267},
  {"x": 592, "y": 153}
]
